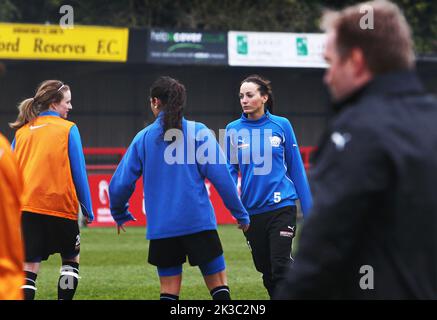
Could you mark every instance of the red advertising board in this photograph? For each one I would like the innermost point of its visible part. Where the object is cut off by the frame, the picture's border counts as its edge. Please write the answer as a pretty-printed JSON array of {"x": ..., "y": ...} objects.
[{"x": 99, "y": 184}]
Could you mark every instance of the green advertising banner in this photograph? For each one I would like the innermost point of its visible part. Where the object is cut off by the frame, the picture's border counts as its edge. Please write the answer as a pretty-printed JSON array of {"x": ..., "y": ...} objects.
[{"x": 187, "y": 47}]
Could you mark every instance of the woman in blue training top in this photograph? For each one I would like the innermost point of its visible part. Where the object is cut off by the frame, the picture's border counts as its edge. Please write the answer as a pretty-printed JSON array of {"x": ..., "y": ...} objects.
[
  {"x": 175, "y": 156},
  {"x": 263, "y": 148}
]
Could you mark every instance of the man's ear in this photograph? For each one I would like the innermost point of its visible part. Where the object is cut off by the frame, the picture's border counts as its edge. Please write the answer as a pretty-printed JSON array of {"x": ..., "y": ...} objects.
[{"x": 359, "y": 61}]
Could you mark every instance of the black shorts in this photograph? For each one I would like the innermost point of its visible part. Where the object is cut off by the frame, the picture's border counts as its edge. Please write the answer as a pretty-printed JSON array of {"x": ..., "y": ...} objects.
[
  {"x": 44, "y": 235},
  {"x": 200, "y": 248}
]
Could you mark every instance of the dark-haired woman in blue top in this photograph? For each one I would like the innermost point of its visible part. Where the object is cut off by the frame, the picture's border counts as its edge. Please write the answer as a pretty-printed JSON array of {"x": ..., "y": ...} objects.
[
  {"x": 263, "y": 148},
  {"x": 181, "y": 221}
]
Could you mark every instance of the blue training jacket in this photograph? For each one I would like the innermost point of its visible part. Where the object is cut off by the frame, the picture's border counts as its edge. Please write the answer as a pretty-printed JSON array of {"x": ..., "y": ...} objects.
[
  {"x": 266, "y": 153},
  {"x": 176, "y": 198}
]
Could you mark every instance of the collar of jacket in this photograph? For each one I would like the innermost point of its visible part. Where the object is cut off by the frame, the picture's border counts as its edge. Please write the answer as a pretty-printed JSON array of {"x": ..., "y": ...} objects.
[
  {"x": 263, "y": 119},
  {"x": 49, "y": 113},
  {"x": 393, "y": 83},
  {"x": 160, "y": 116}
]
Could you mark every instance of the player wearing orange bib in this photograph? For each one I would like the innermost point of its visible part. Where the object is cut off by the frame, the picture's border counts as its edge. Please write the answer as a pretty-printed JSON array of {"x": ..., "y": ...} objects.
[
  {"x": 49, "y": 153},
  {"x": 11, "y": 247}
]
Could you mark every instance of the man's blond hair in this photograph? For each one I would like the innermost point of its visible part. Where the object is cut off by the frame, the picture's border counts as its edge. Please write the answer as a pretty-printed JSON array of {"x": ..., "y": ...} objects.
[{"x": 387, "y": 46}]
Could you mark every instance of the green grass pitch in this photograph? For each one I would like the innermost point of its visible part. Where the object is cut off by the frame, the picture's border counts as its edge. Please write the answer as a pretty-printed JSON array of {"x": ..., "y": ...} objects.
[{"x": 115, "y": 267}]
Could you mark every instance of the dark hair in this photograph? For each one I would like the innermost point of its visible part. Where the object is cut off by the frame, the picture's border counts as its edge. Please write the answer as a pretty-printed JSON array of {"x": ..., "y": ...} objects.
[
  {"x": 48, "y": 92},
  {"x": 264, "y": 88},
  {"x": 387, "y": 47},
  {"x": 173, "y": 97}
]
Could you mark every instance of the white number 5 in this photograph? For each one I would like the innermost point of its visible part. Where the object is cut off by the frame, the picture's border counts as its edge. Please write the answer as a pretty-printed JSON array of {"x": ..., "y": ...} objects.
[{"x": 276, "y": 197}]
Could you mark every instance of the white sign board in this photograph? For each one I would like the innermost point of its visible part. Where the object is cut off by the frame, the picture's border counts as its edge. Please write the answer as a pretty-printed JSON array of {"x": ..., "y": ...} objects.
[{"x": 276, "y": 49}]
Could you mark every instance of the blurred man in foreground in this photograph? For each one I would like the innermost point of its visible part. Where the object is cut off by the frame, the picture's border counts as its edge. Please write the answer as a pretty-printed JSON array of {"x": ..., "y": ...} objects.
[{"x": 372, "y": 232}]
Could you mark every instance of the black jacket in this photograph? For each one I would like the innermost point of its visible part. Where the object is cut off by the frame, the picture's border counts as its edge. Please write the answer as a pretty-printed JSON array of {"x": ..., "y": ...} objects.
[{"x": 374, "y": 183}]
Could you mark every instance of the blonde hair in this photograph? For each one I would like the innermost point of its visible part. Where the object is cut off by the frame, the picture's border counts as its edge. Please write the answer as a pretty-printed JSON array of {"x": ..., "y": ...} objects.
[{"x": 48, "y": 92}]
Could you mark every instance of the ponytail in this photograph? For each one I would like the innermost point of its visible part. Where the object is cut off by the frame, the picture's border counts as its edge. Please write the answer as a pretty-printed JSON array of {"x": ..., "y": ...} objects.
[
  {"x": 172, "y": 95},
  {"x": 26, "y": 113},
  {"x": 173, "y": 111}
]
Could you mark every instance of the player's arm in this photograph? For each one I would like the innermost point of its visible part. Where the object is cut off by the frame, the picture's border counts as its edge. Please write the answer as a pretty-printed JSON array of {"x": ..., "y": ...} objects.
[
  {"x": 231, "y": 156},
  {"x": 218, "y": 173},
  {"x": 123, "y": 182},
  {"x": 78, "y": 172},
  {"x": 296, "y": 169}
]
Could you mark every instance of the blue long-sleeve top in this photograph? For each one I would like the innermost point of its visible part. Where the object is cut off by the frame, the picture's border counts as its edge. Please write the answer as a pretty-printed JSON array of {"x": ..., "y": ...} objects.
[
  {"x": 176, "y": 198},
  {"x": 266, "y": 153},
  {"x": 78, "y": 168}
]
